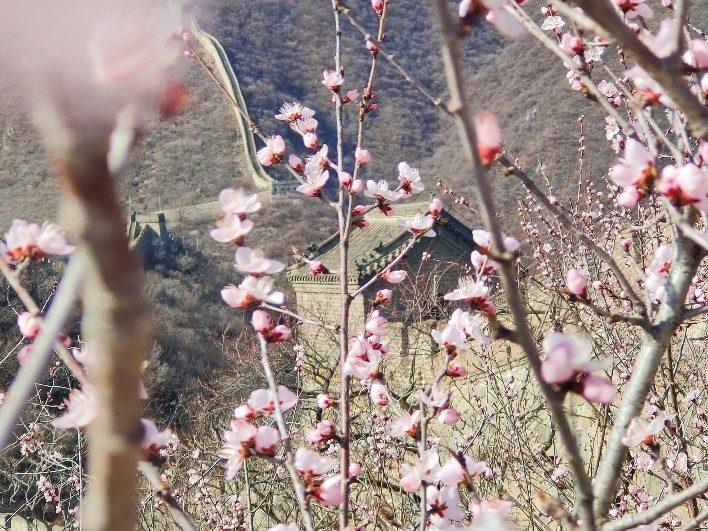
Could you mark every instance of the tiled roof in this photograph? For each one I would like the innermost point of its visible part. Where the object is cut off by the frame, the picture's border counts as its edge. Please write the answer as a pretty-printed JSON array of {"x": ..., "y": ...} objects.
[{"x": 372, "y": 248}]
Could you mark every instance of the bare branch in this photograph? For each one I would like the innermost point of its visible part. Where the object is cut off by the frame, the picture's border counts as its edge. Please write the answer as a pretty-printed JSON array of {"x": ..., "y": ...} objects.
[{"x": 660, "y": 509}]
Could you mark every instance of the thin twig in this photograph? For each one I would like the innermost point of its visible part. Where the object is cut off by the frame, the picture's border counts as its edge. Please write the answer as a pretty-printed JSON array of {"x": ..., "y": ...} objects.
[
  {"x": 660, "y": 509},
  {"x": 164, "y": 492},
  {"x": 463, "y": 119},
  {"x": 285, "y": 438}
]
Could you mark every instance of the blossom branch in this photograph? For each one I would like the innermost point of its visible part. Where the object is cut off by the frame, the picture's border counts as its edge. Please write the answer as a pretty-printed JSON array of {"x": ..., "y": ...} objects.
[
  {"x": 589, "y": 84},
  {"x": 611, "y": 317},
  {"x": 687, "y": 258},
  {"x": 463, "y": 119},
  {"x": 513, "y": 169},
  {"x": 164, "y": 493},
  {"x": 334, "y": 328},
  {"x": 32, "y": 307},
  {"x": 391, "y": 58},
  {"x": 390, "y": 266},
  {"x": 344, "y": 213},
  {"x": 29, "y": 374},
  {"x": 289, "y": 463},
  {"x": 697, "y": 521},
  {"x": 660, "y": 509},
  {"x": 665, "y": 71}
]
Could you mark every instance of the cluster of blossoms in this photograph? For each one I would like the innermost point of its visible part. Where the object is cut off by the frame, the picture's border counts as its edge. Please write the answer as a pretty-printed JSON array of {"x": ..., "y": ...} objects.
[
  {"x": 243, "y": 439},
  {"x": 233, "y": 227},
  {"x": 636, "y": 172},
  {"x": 30, "y": 241}
]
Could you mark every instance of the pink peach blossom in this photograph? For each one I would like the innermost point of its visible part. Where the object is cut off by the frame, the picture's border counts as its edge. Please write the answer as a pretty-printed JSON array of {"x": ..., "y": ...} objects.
[
  {"x": 332, "y": 80},
  {"x": 310, "y": 464},
  {"x": 292, "y": 112},
  {"x": 314, "y": 183},
  {"x": 488, "y": 136},
  {"x": 28, "y": 325},
  {"x": 25, "y": 240},
  {"x": 324, "y": 401},
  {"x": 362, "y": 156},
  {"x": 81, "y": 409},
  {"x": 237, "y": 203},
  {"x": 383, "y": 296},
  {"x": 231, "y": 229},
  {"x": 577, "y": 283},
  {"x": 394, "y": 276},
  {"x": 273, "y": 151}
]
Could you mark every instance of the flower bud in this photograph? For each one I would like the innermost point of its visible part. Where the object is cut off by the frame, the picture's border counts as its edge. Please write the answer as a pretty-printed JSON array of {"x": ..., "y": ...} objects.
[
  {"x": 455, "y": 370},
  {"x": 362, "y": 156},
  {"x": 354, "y": 470},
  {"x": 310, "y": 140},
  {"x": 357, "y": 186},
  {"x": 383, "y": 296},
  {"x": 296, "y": 163},
  {"x": 28, "y": 325},
  {"x": 324, "y": 401},
  {"x": 262, "y": 322},
  {"x": 448, "y": 416},
  {"x": 436, "y": 207},
  {"x": 345, "y": 180},
  {"x": 577, "y": 283}
]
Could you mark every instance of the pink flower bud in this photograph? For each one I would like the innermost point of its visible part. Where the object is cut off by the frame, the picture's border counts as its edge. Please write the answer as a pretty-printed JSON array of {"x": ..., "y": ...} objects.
[
  {"x": 296, "y": 163},
  {"x": 455, "y": 370},
  {"x": 357, "y": 186},
  {"x": 383, "y": 296},
  {"x": 488, "y": 136},
  {"x": 626, "y": 243},
  {"x": 310, "y": 140},
  {"x": 597, "y": 285},
  {"x": 317, "y": 268},
  {"x": 448, "y": 416},
  {"x": 187, "y": 37},
  {"x": 354, "y": 470},
  {"x": 189, "y": 54},
  {"x": 577, "y": 283},
  {"x": 324, "y": 401},
  {"x": 629, "y": 197},
  {"x": 326, "y": 428},
  {"x": 372, "y": 47},
  {"x": 597, "y": 389},
  {"x": 436, "y": 207},
  {"x": 379, "y": 393},
  {"x": 378, "y": 6},
  {"x": 359, "y": 210},
  {"x": 345, "y": 179},
  {"x": 28, "y": 325},
  {"x": 279, "y": 334},
  {"x": 394, "y": 277},
  {"x": 266, "y": 440},
  {"x": 262, "y": 322},
  {"x": 362, "y": 156},
  {"x": 350, "y": 96},
  {"x": 245, "y": 412},
  {"x": 372, "y": 107}
]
